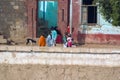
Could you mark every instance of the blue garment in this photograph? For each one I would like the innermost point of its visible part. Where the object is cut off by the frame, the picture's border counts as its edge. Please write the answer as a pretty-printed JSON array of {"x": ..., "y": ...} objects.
[
  {"x": 49, "y": 40},
  {"x": 54, "y": 34}
]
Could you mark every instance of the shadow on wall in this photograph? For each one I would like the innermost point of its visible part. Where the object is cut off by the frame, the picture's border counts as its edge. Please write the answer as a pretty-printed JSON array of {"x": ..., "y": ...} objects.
[{"x": 82, "y": 34}]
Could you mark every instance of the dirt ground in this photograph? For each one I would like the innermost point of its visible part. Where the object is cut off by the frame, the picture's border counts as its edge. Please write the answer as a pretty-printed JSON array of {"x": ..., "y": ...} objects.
[{"x": 58, "y": 72}]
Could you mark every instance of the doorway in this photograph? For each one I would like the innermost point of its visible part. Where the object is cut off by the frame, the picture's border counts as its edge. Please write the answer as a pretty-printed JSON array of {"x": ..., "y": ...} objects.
[{"x": 47, "y": 16}]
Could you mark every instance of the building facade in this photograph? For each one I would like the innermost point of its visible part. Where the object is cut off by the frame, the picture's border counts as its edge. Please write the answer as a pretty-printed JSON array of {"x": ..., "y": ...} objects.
[{"x": 28, "y": 18}]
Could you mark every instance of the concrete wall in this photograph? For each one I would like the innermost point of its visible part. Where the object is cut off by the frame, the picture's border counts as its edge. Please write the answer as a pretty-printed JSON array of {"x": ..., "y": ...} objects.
[
  {"x": 13, "y": 19},
  {"x": 101, "y": 33},
  {"x": 44, "y": 58},
  {"x": 58, "y": 66}
]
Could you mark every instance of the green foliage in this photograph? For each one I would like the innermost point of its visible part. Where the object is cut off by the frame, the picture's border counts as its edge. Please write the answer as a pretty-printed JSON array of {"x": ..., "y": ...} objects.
[{"x": 110, "y": 10}]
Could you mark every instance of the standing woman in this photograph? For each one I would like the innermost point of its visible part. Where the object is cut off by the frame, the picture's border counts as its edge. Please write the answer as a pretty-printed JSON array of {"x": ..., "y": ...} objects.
[{"x": 54, "y": 36}]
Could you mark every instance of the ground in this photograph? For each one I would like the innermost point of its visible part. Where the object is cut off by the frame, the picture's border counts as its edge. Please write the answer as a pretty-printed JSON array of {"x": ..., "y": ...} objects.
[{"x": 53, "y": 72}]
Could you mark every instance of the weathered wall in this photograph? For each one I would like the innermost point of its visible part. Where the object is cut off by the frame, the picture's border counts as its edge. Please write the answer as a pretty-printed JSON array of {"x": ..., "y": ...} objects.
[
  {"x": 76, "y": 18},
  {"x": 59, "y": 66},
  {"x": 31, "y": 20},
  {"x": 102, "y": 33},
  {"x": 63, "y": 16},
  {"x": 13, "y": 19},
  {"x": 57, "y": 72},
  {"x": 18, "y": 21}
]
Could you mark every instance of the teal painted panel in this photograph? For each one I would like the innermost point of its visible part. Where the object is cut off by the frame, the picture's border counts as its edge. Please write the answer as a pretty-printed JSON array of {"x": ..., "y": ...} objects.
[{"x": 48, "y": 11}]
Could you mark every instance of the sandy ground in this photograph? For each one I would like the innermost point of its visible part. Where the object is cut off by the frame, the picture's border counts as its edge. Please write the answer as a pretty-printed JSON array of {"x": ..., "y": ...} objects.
[{"x": 58, "y": 72}]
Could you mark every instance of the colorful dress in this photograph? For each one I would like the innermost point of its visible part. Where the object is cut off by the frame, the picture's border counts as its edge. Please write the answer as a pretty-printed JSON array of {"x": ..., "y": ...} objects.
[{"x": 69, "y": 42}]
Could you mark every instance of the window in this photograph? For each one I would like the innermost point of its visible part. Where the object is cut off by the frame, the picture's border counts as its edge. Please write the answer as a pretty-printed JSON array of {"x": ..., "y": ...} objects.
[{"x": 89, "y": 12}]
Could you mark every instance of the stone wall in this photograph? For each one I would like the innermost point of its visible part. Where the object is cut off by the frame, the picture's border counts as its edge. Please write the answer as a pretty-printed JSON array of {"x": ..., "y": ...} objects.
[
  {"x": 13, "y": 19},
  {"x": 59, "y": 66},
  {"x": 57, "y": 72}
]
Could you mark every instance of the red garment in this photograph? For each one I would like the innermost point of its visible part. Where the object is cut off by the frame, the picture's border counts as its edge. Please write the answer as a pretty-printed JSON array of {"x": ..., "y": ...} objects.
[
  {"x": 59, "y": 39},
  {"x": 68, "y": 29}
]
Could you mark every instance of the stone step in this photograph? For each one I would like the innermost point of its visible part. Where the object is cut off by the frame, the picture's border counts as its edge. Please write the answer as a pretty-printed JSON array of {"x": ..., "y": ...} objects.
[
  {"x": 3, "y": 41},
  {"x": 1, "y": 36}
]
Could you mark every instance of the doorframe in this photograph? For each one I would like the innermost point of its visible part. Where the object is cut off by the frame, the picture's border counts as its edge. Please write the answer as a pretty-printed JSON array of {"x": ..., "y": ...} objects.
[{"x": 32, "y": 20}]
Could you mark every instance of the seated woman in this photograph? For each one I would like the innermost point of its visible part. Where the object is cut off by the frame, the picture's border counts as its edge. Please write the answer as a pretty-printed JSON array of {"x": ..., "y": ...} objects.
[
  {"x": 59, "y": 39},
  {"x": 49, "y": 40},
  {"x": 59, "y": 36},
  {"x": 42, "y": 41}
]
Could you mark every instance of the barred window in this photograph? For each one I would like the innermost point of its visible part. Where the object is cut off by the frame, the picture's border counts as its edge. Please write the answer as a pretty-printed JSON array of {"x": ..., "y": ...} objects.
[{"x": 88, "y": 12}]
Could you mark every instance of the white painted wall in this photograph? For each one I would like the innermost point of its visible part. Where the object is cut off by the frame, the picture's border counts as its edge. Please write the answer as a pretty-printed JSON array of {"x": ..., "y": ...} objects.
[
  {"x": 60, "y": 59},
  {"x": 102, "y": 27}
]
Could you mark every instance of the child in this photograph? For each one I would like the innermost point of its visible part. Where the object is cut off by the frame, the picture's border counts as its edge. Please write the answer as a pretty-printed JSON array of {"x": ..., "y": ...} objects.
[{"x": 69, "y": 41}]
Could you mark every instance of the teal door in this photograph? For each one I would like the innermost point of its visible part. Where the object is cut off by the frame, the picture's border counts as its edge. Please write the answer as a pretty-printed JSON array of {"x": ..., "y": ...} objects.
[{"x": 47, "y": 15}]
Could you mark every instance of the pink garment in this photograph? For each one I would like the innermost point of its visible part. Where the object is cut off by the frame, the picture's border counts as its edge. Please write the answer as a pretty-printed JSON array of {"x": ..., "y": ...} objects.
[{"x": 69, "y": 42}]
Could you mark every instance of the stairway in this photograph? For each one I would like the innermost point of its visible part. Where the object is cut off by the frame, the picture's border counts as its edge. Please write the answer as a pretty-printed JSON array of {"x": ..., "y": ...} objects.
[{"x": 2, "y": 40}]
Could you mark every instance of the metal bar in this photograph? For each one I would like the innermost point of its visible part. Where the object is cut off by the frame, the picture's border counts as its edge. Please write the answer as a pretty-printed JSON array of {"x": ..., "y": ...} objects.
[{"x": 70, "y": 17}]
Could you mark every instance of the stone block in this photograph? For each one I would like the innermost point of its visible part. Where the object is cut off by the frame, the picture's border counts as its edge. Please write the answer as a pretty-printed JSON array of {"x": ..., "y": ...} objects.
[{"x": 3, "y": 41}]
